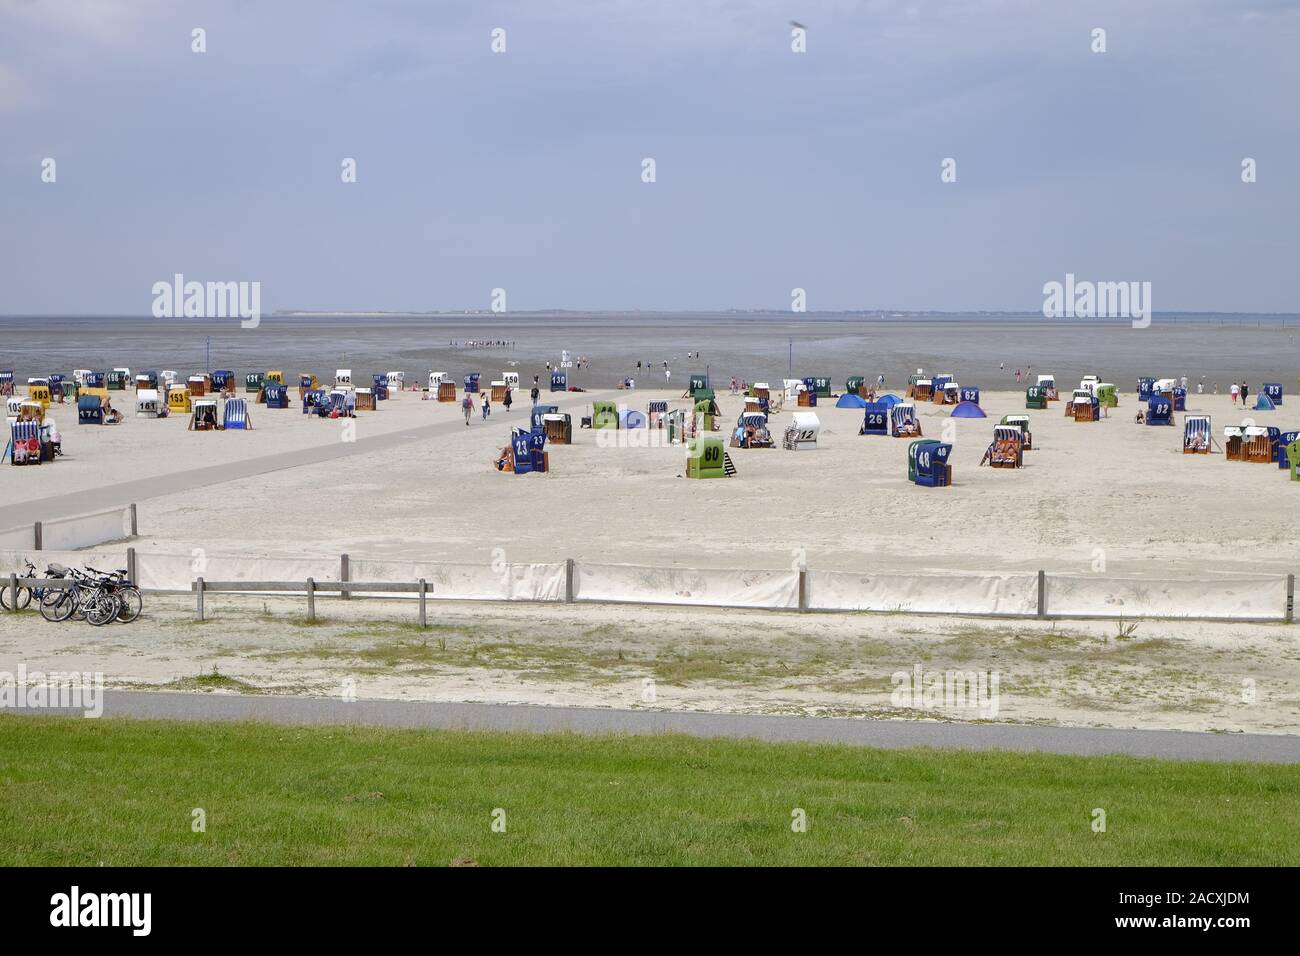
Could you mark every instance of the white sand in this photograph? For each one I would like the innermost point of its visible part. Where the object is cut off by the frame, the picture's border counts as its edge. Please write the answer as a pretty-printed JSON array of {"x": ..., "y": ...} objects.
[{"x": 1113, "y": 485}]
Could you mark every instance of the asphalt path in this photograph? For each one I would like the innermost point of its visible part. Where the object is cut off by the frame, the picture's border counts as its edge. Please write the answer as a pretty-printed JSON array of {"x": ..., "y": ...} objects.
[{"x": 891, "y": 734}]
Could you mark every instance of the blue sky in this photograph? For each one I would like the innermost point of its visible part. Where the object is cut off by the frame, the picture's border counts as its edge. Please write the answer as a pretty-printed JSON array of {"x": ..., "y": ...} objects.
[{"x": 775, "y": 170}]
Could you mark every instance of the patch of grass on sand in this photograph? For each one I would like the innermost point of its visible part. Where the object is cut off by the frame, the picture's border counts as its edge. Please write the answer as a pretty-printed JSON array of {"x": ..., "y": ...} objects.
[
  {"x": 207, "y": 682},
  {"x": 291, "y": 796}
]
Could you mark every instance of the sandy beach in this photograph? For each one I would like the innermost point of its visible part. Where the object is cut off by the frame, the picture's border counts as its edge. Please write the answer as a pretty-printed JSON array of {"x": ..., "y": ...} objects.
[
  {"x": 1110, "y": 490},
  {"x": 1111, "y": 485}
]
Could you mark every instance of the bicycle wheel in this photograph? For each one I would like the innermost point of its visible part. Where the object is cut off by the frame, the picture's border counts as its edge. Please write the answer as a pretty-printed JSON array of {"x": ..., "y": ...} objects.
[
  {"x": 102, "y": 609},
  {"x": 81, "y": 596},
  {"x": 58, "y": 605},
  {"x": 131, "y": 604},
  {"x": 24, "y": 597}
]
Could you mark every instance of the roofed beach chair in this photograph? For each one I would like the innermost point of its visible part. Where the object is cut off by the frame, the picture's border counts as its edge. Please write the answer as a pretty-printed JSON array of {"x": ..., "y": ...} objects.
[
  {"x": 1006, "y": 449},
  {"x": 146, "y": 403},
  {"x": 235, "y": 414},
  {"x": 1196, "y": 435},
  {"x": 903, "y": 422},
  {"x": 25, "y": 443}
]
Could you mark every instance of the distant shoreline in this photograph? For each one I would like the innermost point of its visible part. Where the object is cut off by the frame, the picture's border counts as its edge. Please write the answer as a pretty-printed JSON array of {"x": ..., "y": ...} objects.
[{"x": 869, "y": 315}]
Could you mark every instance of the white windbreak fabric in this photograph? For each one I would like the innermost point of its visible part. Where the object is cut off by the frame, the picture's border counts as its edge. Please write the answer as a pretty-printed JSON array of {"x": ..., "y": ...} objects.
[
  {"x": 1261, "y": 598},
  {"x": 474, "y": 582},
  {"x": 177, "y": 572},
  {"x": 1231, "y": 598},
  {"x": 104, "y": 559},
  {"x": 18, "y": 538},
  {"x": 714, "y": 587},
  {"x": 85, "y": 531},
  {"x": 937, "y": 593}
]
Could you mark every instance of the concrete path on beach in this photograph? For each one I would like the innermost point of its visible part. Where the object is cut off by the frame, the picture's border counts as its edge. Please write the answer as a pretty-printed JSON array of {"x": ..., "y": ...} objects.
[
  {"x": 891, "y": 734},
  {"x": 103, "y": 497}
]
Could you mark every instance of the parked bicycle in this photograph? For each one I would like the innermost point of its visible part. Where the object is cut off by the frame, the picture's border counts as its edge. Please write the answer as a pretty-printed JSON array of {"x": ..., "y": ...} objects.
[
  {"x": 25, "y": 591},
  {"x": 95, "y": 596},
  {"x": 24, "y": 596}
]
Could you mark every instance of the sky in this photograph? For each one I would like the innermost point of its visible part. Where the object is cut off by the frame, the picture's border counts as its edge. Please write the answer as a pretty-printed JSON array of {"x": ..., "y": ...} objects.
[{"x": 774, "y": 170}]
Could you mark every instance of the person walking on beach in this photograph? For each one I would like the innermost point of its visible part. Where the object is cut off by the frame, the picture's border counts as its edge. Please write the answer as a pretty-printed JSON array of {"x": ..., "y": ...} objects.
[
  {"x": 508, "y": 400},
  {"x": 487, "y": 406},
  {"x": 1233, "y": 392},
  {"x": 534, "y": 393},
  {"x": 1245, "y": 390},
  {"x": 1017, "y": 376},
  {"x": 467, "y": 406}
]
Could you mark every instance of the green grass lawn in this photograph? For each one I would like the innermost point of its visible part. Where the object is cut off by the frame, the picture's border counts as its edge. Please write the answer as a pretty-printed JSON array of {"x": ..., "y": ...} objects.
[{"x": 122, "y": 792}]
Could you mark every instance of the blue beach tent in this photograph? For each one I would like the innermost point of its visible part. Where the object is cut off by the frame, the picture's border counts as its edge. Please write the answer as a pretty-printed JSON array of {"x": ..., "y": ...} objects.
[
  {"x": 968, "y": 410},
  {"x": 851, "y": 400}
]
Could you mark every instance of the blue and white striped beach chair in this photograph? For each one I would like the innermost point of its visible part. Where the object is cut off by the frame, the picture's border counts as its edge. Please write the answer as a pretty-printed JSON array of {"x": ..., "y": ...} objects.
[
  {"x": 236, "y": 414},
  {"x": 903, "y": 422},
  {"x": 20, "y": 436},
  {"x": 1196, "y": 435}
]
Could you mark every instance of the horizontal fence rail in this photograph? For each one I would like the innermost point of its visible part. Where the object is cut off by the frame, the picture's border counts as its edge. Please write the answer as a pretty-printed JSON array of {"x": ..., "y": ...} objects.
[{"x": 1013, "y": 595}]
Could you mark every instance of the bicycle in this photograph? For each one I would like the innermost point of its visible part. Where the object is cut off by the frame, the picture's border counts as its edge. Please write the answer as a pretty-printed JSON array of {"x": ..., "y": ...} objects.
[
  {"x": 24, "y": 595},
  {"x": 89, "y": 598},
  {"x": 58, "y": 604},
  {"x": 130, "y": 601}
]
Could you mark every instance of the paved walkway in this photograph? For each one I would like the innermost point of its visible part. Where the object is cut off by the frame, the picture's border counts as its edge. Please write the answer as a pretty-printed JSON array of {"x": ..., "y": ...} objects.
[
  {"x": 1168, "y": 744},
  {"x": 103, "y": 497}
]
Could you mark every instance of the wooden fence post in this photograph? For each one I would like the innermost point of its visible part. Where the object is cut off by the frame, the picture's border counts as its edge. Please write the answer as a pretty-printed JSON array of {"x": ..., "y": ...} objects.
[
  {"x": 1290, "y": 598},
  {"x": 37, "y": 536},
  {"x": 803, "y": 590},
  {"x": 13, "y": 592},
  {"x": 1042, "y": 594},
  {"x": 424, "y": 619},
  {"x": 311, "y": 599},
  {"x": 568, "y": 580},
  {"x": 135, "y": 521},
  {"x": 345, "y": 573},
  {"x": 130, "y": 565},
  {"x": 198, "y": 587}
]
